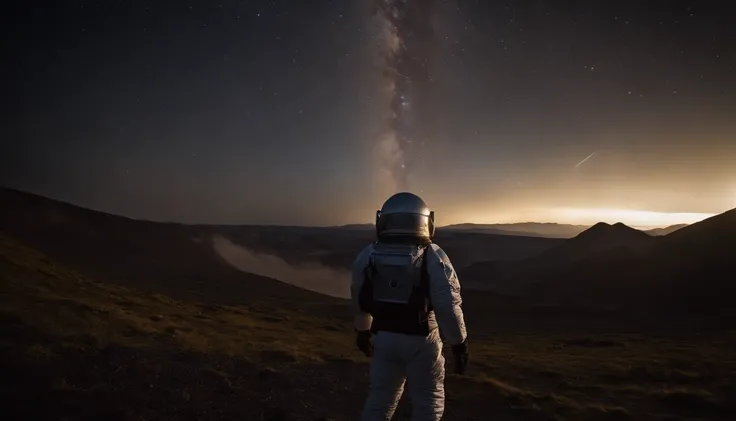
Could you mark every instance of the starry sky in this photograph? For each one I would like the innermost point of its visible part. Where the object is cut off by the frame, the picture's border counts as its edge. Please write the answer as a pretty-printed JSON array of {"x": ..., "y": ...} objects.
[{"x": 277, "y": 112}]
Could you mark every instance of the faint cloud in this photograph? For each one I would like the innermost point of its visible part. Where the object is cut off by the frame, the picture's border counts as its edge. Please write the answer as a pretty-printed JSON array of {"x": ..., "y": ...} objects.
[{"x": 312, "y": 276}]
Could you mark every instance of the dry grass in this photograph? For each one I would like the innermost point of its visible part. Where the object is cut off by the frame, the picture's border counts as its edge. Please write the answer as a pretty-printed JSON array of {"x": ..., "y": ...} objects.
[
  {"x": 611, "y": 377},
  {"x": 601, "y": 377},
  {"x": 66, "y": 304}
]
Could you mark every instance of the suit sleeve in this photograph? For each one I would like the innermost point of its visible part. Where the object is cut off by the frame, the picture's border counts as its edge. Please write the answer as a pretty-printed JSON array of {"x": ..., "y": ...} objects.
[
  {"x": 444, "y": 290},
  {"x": 363, "y": 321}
]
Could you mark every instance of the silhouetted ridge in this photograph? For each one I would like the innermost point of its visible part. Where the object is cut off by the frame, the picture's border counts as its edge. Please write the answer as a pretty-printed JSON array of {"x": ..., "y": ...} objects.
[
  {"x": 599, "y": 229},
  {"x": 666, "y": 230},
  {"x": 528, "y": 229},
  {"x": 617, "y": 234},
  {"x": 718, "y": 226}
]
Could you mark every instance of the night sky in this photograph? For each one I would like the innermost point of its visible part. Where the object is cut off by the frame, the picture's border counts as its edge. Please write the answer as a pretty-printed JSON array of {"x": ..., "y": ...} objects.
[{"x": 314, "y": 112}]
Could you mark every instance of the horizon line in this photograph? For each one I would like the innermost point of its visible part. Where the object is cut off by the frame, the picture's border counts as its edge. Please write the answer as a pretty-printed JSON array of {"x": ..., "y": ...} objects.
[{"x": 89, "y": 208}]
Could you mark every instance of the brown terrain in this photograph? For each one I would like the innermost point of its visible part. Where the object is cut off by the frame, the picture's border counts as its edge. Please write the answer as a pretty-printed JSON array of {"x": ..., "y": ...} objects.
[{"x": 105, "y": 317}]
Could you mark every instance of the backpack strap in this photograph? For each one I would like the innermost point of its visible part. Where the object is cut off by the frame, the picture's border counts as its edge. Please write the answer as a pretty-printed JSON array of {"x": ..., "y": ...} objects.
[
  {"x": 425, "y": 273},
  {"x": 422, "y": 299}
]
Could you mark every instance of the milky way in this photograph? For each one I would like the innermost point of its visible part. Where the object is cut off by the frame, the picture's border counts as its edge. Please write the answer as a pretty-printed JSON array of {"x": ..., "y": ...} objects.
[{"x": 407, "y": 39}]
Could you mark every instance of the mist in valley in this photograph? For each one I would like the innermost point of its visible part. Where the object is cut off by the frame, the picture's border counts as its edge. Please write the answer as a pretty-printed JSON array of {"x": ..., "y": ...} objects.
[{"x": 313, "y": 276}]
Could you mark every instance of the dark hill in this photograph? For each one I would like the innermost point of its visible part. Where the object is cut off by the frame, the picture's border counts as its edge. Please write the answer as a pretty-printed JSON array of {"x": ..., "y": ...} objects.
[
  {"x": 690, "y": 271},
  {"x": 614, "y": 267},
  {"x": 617, "y": 233},
  {"x": 179, "y": 259},
  {"x": 514, "y": 276},
  {"x": 174, "y": 259},
  {"x": 599, "y": 238}
]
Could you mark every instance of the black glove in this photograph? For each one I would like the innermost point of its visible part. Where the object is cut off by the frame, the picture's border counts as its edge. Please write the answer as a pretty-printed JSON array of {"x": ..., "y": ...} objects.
[
  {"x": 461, "y": 356},
  {"x": 365, "y": 344}
]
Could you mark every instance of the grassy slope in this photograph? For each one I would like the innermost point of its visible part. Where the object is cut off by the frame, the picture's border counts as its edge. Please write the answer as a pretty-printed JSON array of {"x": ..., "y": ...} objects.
[
  {"x": 63, "y": 302},
  {"x": 74, "y": 347}
]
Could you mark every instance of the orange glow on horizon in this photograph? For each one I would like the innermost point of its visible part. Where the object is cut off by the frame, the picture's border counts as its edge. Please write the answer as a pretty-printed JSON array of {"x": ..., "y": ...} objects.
[
  {"x": 583, "y": 216},
  {"x": 632, "y": 217}
]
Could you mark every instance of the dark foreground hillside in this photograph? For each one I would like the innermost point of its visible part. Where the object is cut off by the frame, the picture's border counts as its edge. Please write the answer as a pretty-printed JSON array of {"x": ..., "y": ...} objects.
[{"x": 75, "y": 348}]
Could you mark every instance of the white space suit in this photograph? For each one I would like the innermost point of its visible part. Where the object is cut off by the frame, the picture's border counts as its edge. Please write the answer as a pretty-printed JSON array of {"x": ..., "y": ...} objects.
[{"x": 407, "y": 351}]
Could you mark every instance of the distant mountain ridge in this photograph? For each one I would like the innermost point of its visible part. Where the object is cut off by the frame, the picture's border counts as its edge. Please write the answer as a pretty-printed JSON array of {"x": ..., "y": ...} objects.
[
  {"x": 532, "y": 229},
  {"x": 75, "y": 235},
  {"x": 599, "y": 239},
  {"x": 525, "y": 229},
  {"x": 618, "y": 232},
  {"x": 543, "y": 229},
  {"x": 689, "y": 270},
  {"x": 611, "y": 267},
  {"x": 666, "y": 230}
]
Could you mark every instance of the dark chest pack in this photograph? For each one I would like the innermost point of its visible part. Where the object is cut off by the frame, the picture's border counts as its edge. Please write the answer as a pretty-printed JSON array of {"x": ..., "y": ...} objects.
[{"x": 395, "y": 289}]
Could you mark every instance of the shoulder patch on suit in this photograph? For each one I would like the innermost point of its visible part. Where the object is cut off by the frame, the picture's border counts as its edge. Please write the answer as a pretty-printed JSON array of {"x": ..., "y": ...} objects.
[{"x": 452, "y": 278}]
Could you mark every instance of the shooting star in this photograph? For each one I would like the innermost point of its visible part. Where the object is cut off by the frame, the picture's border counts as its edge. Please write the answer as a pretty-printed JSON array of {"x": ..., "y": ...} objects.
[{"x": 583, "y": 161}]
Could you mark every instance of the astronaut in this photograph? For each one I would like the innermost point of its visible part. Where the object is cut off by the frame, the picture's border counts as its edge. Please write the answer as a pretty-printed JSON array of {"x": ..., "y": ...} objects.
[{"x": 405, "y": 293}]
